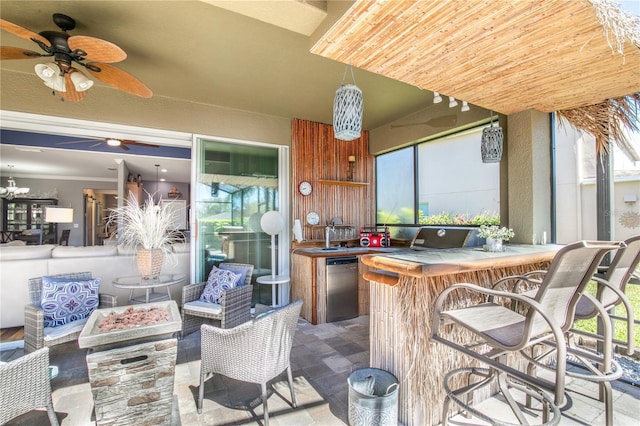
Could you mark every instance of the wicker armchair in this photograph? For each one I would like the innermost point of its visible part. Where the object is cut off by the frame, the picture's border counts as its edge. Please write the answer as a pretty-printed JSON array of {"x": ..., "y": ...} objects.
[
  {"x": 25, "y": 385},
  {"x": 34, "y": 315},
  {"x": 234, "y": 310},
  {"x": 255, "y": 352}
]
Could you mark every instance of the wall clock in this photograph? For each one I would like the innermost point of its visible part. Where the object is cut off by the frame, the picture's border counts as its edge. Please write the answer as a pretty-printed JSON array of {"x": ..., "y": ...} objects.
[
  {"x": 305, "y": 188},
  {"x": 313, "y": 218}
]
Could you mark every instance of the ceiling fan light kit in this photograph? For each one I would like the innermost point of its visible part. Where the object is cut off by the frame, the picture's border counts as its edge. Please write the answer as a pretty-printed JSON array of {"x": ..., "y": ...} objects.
[
  {"x": 80, "y": 81},
  {"x": 92, "y": 53}
]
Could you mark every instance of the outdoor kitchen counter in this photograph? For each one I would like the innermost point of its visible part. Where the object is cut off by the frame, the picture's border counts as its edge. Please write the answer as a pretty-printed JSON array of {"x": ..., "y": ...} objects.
[
  {"x": 308, "y": 278},
  {"x": 403, "y": 287},
  {"x": 429, "y": 263}
]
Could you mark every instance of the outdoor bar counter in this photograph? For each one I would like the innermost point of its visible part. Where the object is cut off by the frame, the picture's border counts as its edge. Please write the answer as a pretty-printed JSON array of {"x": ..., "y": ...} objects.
[{"x": 403, "y": 289}]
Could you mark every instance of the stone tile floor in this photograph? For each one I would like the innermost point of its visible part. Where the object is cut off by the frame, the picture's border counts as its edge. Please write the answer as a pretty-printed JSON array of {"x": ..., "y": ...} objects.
[{"x": 322, "y": 358}]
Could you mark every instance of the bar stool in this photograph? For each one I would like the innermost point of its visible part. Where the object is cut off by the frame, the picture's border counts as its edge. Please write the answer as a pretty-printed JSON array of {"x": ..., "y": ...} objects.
[{"x": 499, "y": 328}]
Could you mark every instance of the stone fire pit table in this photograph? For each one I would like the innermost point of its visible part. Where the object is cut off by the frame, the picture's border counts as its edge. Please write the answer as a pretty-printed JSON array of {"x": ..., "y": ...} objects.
[{"x": 131, "y": 371}]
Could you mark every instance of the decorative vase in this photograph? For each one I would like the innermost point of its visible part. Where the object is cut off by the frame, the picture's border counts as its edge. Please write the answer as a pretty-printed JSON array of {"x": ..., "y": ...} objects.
[
  {"x": 493, "y": 244},
  {"x": 149, "y": 262}
]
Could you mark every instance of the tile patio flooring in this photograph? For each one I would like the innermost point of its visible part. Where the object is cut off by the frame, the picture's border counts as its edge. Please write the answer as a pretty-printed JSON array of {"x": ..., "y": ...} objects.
[{"x": 322, "y": 358}]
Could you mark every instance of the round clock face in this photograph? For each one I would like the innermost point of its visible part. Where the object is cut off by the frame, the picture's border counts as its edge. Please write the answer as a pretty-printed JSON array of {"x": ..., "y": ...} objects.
[
  {"x": 305, "y": 188},
  {"x": 313, "y": 218}
]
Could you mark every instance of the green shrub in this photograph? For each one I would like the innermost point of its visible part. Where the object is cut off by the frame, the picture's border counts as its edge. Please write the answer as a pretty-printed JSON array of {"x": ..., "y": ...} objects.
[
  {"x": 620, "y": 327},
  {"x": 446, "y": 218}
]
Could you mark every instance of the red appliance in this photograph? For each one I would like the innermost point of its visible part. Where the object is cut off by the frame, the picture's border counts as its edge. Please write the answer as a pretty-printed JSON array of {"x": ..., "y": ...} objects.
[{"x": 374, "y": 236}]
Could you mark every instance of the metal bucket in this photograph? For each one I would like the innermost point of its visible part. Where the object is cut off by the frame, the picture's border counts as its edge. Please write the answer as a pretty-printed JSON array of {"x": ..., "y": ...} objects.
[{"x": 373, "y": 398}]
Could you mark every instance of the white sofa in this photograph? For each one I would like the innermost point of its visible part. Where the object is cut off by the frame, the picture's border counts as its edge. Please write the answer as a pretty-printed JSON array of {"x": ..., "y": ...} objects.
[{"x": 19, "y": 263}]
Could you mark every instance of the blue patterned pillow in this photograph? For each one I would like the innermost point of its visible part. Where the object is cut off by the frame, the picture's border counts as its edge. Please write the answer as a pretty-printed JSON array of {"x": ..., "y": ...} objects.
[
  {"x": 68, "y": 299},
  {"x": 240, "y": 271},
  {"x": 218, "y": 281}
]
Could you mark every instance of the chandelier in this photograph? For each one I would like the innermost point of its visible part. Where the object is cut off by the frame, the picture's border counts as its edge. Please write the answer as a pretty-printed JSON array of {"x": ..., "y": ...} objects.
[{"x": 11, "y": 190}]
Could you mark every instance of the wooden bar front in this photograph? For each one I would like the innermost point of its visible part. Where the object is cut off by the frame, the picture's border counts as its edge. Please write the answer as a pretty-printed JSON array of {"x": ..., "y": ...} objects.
[{"x": 401, "y": 315}]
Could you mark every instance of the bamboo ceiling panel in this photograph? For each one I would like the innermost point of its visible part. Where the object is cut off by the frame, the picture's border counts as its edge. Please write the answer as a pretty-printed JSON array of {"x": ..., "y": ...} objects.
[{"x": 506, "y": 55}]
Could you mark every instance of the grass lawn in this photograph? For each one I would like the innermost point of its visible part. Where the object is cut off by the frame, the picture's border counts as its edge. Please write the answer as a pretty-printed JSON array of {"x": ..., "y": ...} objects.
[{"x": 633, "y": 293}]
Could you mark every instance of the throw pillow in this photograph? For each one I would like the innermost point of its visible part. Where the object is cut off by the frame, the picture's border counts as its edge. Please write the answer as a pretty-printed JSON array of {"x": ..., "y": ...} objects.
[
  {"x": 219, "y": 280},
  {"x": 68, "y": 299},
  {"x": 240, "y": 271}
]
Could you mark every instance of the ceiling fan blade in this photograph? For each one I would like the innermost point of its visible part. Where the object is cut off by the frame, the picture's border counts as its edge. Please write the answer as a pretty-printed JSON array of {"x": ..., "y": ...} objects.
[
  {"x": 74, "y": 142},
  {"x": 119, "y": 79},
  {"x": 129, "y": 142},
  {"x": 7, "y": 52},
  {"x": 22, "y": 32},
  {"x": 71, "y": 94},
  {"x": 97, "y": 49},
  {"x": 95, "y": 144}
]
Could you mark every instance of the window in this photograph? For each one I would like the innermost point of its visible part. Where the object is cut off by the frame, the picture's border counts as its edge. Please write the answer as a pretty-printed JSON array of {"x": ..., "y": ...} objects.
[{"x": 442, "y": 181}]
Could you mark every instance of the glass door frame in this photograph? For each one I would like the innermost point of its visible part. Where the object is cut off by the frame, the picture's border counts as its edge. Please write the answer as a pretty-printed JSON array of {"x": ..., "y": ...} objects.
[{"x": 283, "y": 198}]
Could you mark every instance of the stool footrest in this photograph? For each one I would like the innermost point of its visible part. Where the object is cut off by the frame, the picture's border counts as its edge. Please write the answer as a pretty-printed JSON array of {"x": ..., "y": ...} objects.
[{"x": 505, "y": 383}]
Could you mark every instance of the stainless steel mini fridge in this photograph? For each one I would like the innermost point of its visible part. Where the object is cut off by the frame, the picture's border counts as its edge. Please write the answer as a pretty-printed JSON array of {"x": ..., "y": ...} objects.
[{"x": 342, "y": 288}]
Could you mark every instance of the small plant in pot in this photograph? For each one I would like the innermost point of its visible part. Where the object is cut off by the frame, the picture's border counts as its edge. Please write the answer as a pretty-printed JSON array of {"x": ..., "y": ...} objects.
[
  {"x": 147, "y": 229},
  {"x": 495, "y": 235}
]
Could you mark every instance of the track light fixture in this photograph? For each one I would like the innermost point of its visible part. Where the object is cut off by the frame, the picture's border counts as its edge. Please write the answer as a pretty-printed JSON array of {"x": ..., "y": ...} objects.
[
  {"x": 437, "y": 98},
  {"x": 465, "y": 106},
  {"x": 452, "y": 102}
]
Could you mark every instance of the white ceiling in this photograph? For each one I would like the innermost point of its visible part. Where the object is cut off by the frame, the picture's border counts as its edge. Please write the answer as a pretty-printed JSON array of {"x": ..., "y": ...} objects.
[{"x": 67, "y": 164}]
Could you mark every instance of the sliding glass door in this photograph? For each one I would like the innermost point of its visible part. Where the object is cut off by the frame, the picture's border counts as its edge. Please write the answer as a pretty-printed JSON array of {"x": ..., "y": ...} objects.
[{"x": 236, "y": 184}]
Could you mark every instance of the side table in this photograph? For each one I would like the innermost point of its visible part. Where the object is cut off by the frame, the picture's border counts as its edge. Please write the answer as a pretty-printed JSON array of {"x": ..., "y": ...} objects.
[
  {"x": 282, "y": 284},
  {"x": 136, "y": 282}
]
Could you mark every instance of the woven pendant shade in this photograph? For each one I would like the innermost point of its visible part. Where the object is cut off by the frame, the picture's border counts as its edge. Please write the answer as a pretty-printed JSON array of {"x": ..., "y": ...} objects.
[
  {"x": 491, "y": 144},
  {"x": 347, "y": 111}
]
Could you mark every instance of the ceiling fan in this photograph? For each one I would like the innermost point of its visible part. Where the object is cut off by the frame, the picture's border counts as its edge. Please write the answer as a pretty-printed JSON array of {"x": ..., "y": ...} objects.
[
  {"x": 92, "y": 53},
  {"x": 121, "y": 143}
]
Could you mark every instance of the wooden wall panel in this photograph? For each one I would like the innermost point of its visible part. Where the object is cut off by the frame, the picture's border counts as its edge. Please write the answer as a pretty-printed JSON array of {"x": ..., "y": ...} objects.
[{"x": 322, "y": 160}]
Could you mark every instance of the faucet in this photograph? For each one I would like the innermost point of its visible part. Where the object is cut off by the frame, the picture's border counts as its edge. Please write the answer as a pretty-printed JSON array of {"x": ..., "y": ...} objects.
[{"x": 327, "y": 235}]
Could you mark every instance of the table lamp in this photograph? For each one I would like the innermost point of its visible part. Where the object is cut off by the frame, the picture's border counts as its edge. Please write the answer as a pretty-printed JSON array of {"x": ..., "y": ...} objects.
[
  {"x": 57, "y": 215},
  {"x": 272, "y": 223}
]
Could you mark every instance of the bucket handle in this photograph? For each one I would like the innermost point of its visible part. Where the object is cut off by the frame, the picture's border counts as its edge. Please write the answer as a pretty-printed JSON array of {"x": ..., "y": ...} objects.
[{"x": 390, "y": 387}]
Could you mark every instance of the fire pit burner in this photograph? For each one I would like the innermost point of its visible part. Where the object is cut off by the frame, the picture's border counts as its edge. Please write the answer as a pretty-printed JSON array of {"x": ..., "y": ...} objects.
[{"x": 131, "y": 318}]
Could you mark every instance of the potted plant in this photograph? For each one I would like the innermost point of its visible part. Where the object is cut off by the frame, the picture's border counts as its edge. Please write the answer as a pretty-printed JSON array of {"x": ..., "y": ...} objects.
[
  {"x": 495, "y": 235},
  {"x": 147, "y": 229}
]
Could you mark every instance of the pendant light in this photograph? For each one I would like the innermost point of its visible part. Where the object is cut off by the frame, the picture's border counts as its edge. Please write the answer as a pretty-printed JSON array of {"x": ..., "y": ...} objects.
[
  {"x": 491, "y": 143},
  {"x": 347, "y": 110}
]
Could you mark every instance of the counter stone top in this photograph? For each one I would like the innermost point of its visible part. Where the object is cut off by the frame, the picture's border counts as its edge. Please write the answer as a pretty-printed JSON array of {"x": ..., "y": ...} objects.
[{"x": 446, "y": 261}]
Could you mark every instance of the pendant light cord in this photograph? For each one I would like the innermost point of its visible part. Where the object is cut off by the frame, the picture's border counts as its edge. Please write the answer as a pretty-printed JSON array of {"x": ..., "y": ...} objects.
[{"x": 345, "y": 75}]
